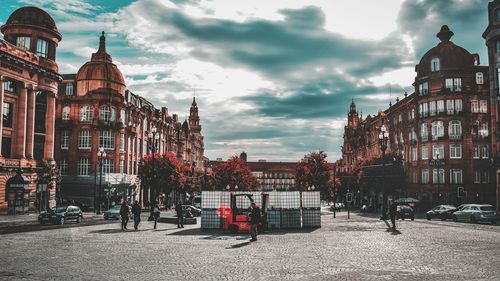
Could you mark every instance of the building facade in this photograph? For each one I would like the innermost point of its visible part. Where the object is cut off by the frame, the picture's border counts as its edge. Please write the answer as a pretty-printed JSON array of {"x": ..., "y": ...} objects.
[
  {"x": 441, "y": 132},
  {"x": 29, "y": 76},
  {"x": 104, "y": 130}
]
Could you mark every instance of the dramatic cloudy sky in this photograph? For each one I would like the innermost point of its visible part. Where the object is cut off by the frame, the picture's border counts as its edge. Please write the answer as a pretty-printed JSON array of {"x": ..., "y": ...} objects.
[{"x": 273, "y": 78}]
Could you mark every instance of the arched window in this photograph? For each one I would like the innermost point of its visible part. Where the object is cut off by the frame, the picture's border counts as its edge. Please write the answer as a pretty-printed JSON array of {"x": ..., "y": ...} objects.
[
  {"x": 455, "y": 129},
  {"x": 86, "y": 114},
  {"x": 66, "y": 112},
  {"x": 479, "y": 78},
  {"x": 435, "y": 64}
]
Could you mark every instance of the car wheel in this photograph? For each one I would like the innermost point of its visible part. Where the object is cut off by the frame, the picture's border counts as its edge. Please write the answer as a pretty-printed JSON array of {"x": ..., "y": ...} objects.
[
  {"x": 412, "y": 218},
  {"x": 473, "y": 219},
  {"x": 455, "y": 219},
  {"x": 428, "y": 217},
  {"x": 78, "y": 220},
  {"x": 61, "y": 221}
]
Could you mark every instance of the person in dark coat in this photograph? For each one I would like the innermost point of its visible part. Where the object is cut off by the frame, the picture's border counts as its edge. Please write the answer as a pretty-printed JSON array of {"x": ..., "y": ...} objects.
[
  {"x": 180, "y": 217},
  {"x": 255, "y": 220},
  {"x": 156, "y": 214},
  {"x": 392, "y": 213},
  {"x": 136, "y": 211},
  {"x": 124, "y": 214}
]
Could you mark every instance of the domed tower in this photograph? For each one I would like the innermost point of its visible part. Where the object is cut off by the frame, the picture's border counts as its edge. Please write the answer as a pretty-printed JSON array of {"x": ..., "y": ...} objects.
[
  {"x": 34, "y": 30},
  {"x": 100, "y": 73},
  {"x": 492, "y": 37},
  {"x": 453, "y": 123}
]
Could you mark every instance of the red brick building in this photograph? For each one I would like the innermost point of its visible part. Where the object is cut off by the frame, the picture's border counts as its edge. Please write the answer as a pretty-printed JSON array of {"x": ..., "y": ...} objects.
[
  {"x": 29, "y": 76},
  {"x": 447, "y": 117}
]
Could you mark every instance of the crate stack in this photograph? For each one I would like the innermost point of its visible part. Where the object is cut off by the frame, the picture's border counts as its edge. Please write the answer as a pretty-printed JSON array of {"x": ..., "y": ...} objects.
[
  {"x": 290, "y": 209},
  {"x": 211, "y": 204},
  {"x": 274, "y": 211},
  {"x": 311, "y": 211}
]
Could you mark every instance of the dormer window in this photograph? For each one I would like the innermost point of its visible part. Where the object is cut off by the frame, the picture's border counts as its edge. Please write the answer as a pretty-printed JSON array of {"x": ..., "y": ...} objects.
[
  {"x": 69, "y": 89},
  {"x": 42, "y": 48},
  {"x": 23, "y": 42},
  {"x": 435, "y": 65},
  {"x": 479, "y": 78}
]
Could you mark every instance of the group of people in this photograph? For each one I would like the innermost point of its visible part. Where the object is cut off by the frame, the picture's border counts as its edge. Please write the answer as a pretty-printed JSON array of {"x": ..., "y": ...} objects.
[{"x": 155, "y": 214}]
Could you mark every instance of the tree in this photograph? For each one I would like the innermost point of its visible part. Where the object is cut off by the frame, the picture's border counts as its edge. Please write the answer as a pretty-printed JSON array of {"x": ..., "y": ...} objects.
[
  {"x": 313, "y": 169},
  {"x": 163, "y": 173},
  {"x": 234, "y": 172},
  {"x": 49, "y": 174}
]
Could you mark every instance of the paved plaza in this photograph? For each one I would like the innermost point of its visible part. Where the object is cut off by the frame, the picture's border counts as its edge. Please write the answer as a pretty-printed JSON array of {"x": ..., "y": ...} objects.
[{"x": 361, "y": 248}]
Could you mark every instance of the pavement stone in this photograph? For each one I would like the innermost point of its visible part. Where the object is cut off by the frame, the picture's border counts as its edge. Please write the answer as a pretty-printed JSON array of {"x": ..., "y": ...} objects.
[{"x": 361, "y": 248}]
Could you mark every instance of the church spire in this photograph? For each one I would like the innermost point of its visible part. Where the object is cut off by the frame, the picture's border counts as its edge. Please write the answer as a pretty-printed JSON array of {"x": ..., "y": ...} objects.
[{"x": 101, "y": 53}]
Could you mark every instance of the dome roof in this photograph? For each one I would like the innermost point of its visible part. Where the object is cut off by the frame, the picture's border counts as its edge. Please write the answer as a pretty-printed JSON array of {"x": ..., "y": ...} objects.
[
  {"x": 32, "y": 16},
  {"x": 450, "y": 55},
  {"x": 100, "y": 72}
]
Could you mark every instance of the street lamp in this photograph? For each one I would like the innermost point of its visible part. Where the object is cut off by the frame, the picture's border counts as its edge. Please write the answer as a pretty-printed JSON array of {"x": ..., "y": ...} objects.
[
  {"x": 101, "y": 155},
  {"x": 152, "y": 139},
  {"x": 437, "y": 165},
  {"x": 383, "y": 137}
]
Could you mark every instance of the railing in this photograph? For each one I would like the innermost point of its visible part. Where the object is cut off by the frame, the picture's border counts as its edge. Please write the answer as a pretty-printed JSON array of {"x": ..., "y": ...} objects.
[{"x": 455, "y": 137}]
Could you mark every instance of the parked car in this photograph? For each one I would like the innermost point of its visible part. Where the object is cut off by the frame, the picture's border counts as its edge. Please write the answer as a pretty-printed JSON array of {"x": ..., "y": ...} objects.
[
  {"x": 438, "y": 210},
  {"x": 113, "y": 213},
  {"x": 194, "y": 211},
  {"x": 474, "y": 213},
  {"x": 367, "y": 208},
  {"x": 336, "y": 206},
  {"x": 61, "y": 214},
  {"x": 404, "y": 211}
]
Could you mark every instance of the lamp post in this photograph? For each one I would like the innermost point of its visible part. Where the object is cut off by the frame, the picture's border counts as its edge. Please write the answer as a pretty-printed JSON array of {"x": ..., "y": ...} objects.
[
  {"x": 152, "y": 139},
  {"x": 437, "y": 165},
  {"x": 383, "y": 137},
  {"x": 101, "y": 155}
]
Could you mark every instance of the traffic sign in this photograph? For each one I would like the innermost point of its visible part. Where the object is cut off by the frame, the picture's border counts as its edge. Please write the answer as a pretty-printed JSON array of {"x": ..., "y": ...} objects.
[{"x": 349, "y": 197}]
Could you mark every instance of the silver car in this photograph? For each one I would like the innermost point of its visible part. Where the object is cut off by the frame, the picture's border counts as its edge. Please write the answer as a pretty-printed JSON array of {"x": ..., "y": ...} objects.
[
  {"x": 475, "y": 213},
  {"x": 113, "y": 213}
]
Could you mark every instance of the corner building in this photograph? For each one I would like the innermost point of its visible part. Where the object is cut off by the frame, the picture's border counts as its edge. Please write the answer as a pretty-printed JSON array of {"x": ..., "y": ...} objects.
[
  {"x": 442, "y": 131},
  {"x": 29, "y": 83}
]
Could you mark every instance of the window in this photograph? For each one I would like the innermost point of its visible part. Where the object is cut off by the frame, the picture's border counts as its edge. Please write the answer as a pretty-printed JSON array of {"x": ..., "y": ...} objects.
[
  {"x": 479, "y": 78},
  {"x": 83, "y": 168},
  {"x": 476, "y": 152},
  {"x": 6, "y": 147},
  {"x": 484, "y": 130},
  {"x": 438, "y": 149},
  {"x": 400, "y": 118},
  {"x": 497, "y": 14},
  {"x": 8, "y": 86},
  {"x": 122, "y": 116},
  {"x": 486, "y": 177},
  {"x": 105, "y": 113},
  {"x": 107, "y": 140},
  {"x": 42, "y": 48},
  {"x": 86, "y": 114},
  {"x": 435, "y": 66},
  {"x": 424, "y": 152},
  {"x": 497, "y": 44},
  {"x": 8, "y": 112},
  {"x": 458, "y": 106},
  {"x": 84, "y": 140},
  {"x": 453, "y": 84},
  {"x": 437, "y": 129},
  {"x": 425, "y": 176},
  {"x": 401, "y": 139},
  {"x": 475, "y": 129},
  {"x": 455, "y": 129},
  {"x": 423, "y": 88},
  {"x": 108, "y": 166},
  {"x": 40, "y": 111},
  {"x": 483, "y": 106},
  {"x": 477, "y": 176},
  {"x": 425, "y": 109},
  {"x": 69, "y": 89},
  {"x": 440, "y": 106},
  {"x": 432, "y": 108},
  {"x": 63, "y": 167},
  {"x": 121, "y": 166},
  {"x": 435, "y": 179},
  {"x": 414, "y": 154},
  {"x": 450, "y": 107},
  {"x": 474, "y": 106},
  {"x": 23, "y": 42},
  {"x": 485, "y": 152},
  {"x": 455, "y": 151},
  {"x": 64, "y": 139},
  {"x": 456, "y": 176},
  {"x": 122, "y": 142},
  {"x": 424, "y": 132},
  {"x": 66, "y": 112}
]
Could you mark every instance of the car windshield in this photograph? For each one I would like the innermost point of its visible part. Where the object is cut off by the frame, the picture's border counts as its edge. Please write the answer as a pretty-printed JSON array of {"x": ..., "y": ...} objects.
[
  {"x": 487, "y": 208},
  {"x": 60, "y": 209},
  {"x": 116, "y": 207}
]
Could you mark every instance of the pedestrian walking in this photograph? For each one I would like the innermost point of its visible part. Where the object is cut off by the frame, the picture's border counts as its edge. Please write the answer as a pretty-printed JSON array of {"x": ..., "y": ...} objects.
[
  {"x": 156, "y": 214},
  {"x": 136, "y": 211},
  {"x": 392, "y": 213},
  {"x": 180, "y": 217},
  {"x": 255, "y": 220},
  {"x": 124, "y": 213}
]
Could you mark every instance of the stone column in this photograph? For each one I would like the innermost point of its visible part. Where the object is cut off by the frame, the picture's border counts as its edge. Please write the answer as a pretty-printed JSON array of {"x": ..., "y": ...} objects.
[
  {"x": 30, "y": 127},
  {"x": 20, "y": 129},
  {"x": 1, "y": 112},
  {"x": 49, "y": 125}
]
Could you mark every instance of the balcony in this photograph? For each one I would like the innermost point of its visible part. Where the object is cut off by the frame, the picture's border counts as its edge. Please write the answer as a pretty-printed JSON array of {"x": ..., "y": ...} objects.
[
  {"x": 64, "y": 123},
  {"x": 424, "y": 138},
  {"x": 455, "y": 137},
  {"x": 435, "y": 138}
]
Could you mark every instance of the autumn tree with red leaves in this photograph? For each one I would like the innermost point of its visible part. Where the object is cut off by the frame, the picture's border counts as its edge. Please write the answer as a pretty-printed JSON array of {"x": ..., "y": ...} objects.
[
  {"x": 234, "y": 172},
  {"x": 163, "y": 173},
  {"x": 313, "y": 169}
]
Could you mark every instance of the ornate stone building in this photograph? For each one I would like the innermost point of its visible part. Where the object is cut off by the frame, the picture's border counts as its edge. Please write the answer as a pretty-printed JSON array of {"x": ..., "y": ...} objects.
[
  {"x": 96, "y": 115},
  {"x": 29, "y": 76},
  {"x": 442, "y": 131}
]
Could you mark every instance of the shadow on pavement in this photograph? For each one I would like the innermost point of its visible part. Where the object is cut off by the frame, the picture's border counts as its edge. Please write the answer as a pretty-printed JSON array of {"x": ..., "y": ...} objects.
[
  {"x": 117, "y": 230},
  {"x": 239, "y": 245}
]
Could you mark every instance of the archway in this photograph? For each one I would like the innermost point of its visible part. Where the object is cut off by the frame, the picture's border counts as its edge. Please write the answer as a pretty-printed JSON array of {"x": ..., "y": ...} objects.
[{"x": 17, "y": 194}]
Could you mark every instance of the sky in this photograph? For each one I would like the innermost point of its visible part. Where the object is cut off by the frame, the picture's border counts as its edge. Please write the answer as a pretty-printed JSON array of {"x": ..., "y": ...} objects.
[{"x": 272, "y": 78}]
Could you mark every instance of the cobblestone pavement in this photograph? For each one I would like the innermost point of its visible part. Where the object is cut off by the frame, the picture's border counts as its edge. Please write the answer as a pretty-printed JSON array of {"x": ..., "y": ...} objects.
[{"x": 361, "y": 248}]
